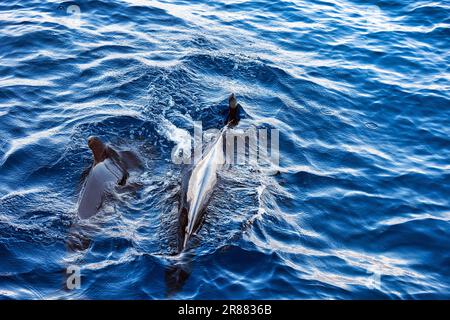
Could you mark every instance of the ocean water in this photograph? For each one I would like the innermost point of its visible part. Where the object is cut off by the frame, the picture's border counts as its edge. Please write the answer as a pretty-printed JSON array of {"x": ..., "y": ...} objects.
[{"x": 357, "y": 207}]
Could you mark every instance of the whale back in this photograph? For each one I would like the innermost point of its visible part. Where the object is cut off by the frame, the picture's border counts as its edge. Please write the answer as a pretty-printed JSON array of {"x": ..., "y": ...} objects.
[
  {"x": 199, "y": 187},
  {"x": 102, "y": 178}
]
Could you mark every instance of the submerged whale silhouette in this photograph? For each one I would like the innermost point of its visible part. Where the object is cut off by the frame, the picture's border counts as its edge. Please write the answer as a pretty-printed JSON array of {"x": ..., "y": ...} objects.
[{"x": 110, "y": 169}]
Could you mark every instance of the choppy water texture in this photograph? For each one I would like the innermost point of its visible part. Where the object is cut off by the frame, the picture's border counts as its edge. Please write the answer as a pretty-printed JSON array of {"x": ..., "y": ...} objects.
[{"x": 357, "y": 208}]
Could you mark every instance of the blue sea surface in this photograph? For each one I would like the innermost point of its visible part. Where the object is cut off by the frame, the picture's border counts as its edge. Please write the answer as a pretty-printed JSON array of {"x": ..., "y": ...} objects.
[{"x": 357, "y": 208}]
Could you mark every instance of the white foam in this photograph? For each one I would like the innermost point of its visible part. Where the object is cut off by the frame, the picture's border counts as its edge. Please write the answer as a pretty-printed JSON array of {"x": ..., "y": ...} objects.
[{"x": 181, "y": 137}]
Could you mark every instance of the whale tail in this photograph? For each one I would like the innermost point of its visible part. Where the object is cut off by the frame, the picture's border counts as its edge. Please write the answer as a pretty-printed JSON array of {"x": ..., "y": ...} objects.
[{"x": 177, "y": 274}]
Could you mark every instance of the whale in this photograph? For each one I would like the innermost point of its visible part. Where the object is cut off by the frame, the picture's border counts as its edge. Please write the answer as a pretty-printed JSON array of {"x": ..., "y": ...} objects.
[
  {"x": 199, "y": 183},
  {"x": 109, "y": 169},
  {"x": 197, "y": 188}
]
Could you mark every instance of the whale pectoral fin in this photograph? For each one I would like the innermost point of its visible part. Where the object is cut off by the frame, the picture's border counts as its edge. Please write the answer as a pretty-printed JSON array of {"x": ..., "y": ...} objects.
[
  {"x": 130, "y": 159},
  {"x": 84, "y": 175},
  {"x": 123, "y": 181}
]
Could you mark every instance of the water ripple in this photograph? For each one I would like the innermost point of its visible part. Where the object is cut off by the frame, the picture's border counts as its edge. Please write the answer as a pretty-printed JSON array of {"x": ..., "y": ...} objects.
[{"x": 357, "y": 208}]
